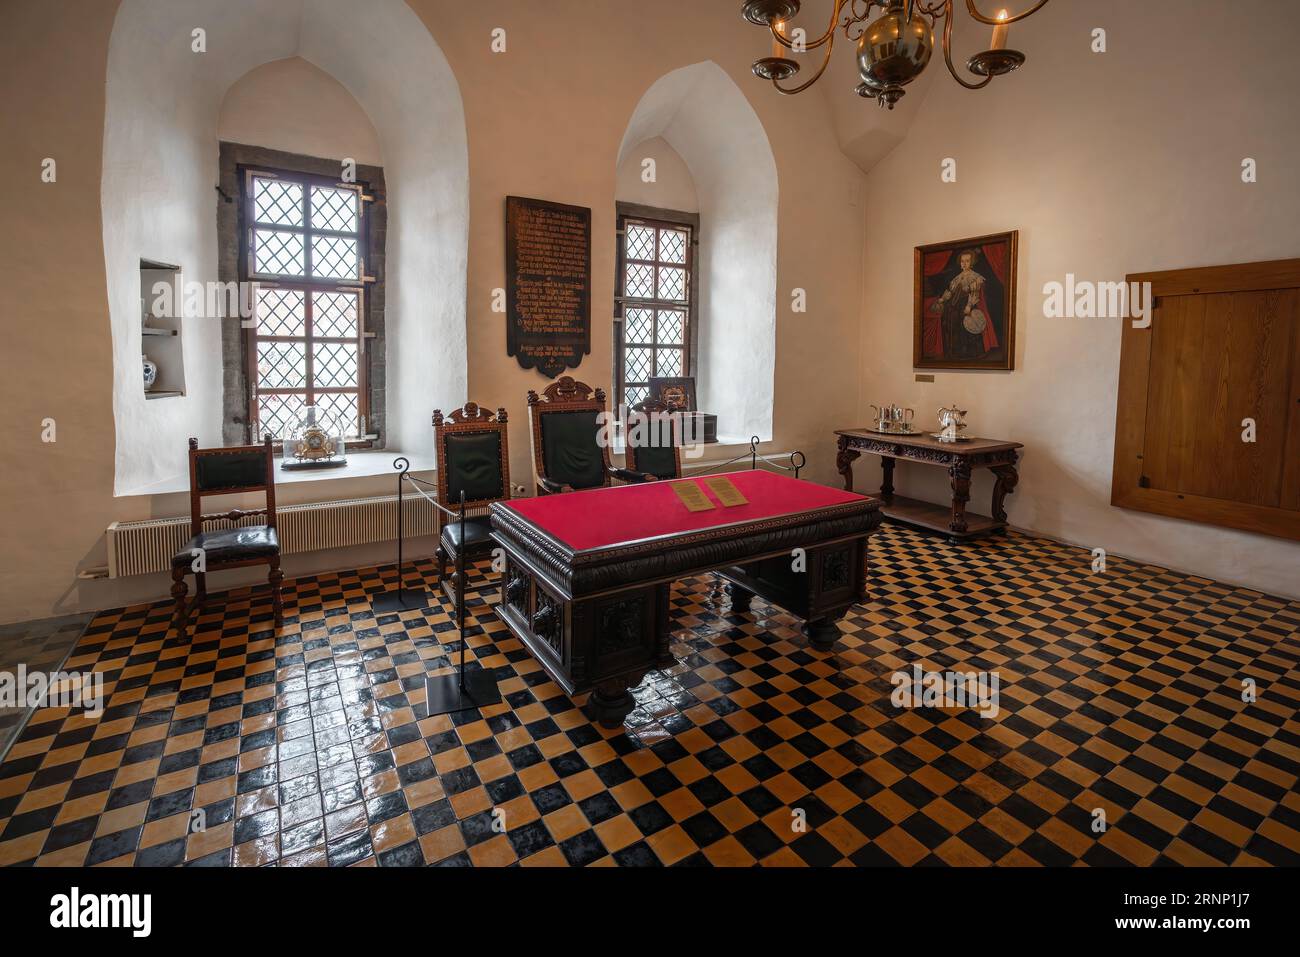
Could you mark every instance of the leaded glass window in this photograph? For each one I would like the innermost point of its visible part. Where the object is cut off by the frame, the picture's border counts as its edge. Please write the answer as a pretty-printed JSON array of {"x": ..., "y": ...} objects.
[
  {"x": 655, "y": 305},
  {"x": 305, "y": 244}
]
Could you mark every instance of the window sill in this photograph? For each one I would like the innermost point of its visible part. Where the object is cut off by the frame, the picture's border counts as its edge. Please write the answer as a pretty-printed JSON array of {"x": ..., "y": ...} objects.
[
  {"x": 361, "y": 464},
  {"x": 713, "y": 454}
]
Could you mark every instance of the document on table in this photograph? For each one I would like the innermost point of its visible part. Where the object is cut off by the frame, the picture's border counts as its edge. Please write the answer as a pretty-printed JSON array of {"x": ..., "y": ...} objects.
[
  {"x": 726, "y": 490},
  {"x": 692, "y": 496}
]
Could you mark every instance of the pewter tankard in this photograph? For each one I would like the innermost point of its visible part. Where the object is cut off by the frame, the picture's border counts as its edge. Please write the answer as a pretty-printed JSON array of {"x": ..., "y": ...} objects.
[{"x": 892, "y": 418}]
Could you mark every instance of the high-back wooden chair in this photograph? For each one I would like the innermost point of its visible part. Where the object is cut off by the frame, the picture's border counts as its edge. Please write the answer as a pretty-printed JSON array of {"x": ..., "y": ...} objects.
[
  {"x": 653, "y": 441},
  {"x": 228, "y": 471},
  {"x": 566, "y": 422},
  {"x": 474, "y": 458}
]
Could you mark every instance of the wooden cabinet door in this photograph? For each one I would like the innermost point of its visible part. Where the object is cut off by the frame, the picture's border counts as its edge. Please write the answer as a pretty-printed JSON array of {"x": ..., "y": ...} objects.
[
  {"x": 1223, "y": 348},
  {"x": 1290, "y": 495}
]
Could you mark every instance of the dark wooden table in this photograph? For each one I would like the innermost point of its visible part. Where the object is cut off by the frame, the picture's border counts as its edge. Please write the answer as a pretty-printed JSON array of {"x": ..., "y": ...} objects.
[
  {"x": 587, "y": 574},
  {"x": 959, "y": 458}
]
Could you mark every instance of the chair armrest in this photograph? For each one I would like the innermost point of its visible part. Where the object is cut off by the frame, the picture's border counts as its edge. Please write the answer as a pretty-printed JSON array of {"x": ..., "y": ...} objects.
[
  {"x": 627, "y": 475},
  {"x": 547, "y": 487}
]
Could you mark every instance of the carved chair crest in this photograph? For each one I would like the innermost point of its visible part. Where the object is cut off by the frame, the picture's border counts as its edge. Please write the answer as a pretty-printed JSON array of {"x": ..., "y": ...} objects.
[
  {"x": 472, "y": 412},
  {"x": 566, "y": 389}
]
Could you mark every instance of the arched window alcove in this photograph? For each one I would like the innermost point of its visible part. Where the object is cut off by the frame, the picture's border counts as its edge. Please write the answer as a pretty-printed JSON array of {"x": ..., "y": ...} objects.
[
  {"x": 165, "y": 89},
  {"x": 702, "y": 115}
]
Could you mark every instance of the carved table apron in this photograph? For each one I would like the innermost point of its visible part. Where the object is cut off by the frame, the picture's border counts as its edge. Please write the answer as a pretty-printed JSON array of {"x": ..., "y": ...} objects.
[
  {"x": 959, "y": 458},
  {"x": 597, "y": 618}
]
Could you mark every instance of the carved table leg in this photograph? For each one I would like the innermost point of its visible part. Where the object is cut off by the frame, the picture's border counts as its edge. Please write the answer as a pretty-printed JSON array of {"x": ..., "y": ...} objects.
[
  {"x": 663, "y": 632},
  {"x": 844, "y": 462},
  {"x": 822, "y": 633},
  {"x": 960, "y": 474},
  {"x": 887, "y": 480},
  {"x": 1006, "y": 483},
  {"x": 740, "y": 598},
  {"x": 613, "y": 701}
]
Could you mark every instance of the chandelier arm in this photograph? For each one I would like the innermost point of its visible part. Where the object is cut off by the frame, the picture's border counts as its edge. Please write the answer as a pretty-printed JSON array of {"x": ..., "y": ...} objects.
[
  {"x": 994, "y": 21},
  {"x": 854, "y": 18},
  {"x": 947, "y": 53},
  {"x": 830, "y": 45},
  {"x": 812, "y": 44}
]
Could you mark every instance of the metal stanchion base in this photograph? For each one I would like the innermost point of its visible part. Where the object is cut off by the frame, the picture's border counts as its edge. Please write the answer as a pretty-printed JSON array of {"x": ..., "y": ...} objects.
[
  {"x": 445, "y": 695},
  {"x": 401, "y": 599}
]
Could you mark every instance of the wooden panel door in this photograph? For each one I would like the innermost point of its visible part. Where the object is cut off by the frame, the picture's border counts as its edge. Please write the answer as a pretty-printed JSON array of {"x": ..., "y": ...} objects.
[
  {"x": 1217, "y": 361},
  {"x": 1291, "y": 451},
  {"x": 1223, "y": 347}
]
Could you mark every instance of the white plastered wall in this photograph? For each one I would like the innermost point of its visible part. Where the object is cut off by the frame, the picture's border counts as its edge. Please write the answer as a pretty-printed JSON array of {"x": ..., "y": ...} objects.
[
  {"x": 673, "y": 187},
  {"x": 293, "y": 106}
]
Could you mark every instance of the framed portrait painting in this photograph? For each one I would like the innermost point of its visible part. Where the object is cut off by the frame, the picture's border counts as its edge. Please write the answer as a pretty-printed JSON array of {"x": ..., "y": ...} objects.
[{"x": 964, "y": 304}]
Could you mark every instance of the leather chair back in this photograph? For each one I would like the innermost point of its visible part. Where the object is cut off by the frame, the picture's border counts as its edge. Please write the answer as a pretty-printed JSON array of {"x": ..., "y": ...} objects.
[
  {"x": 566, "y": 422},
  {"x": 570, "y": 452},
  {"x": 473, "y": 456},
  {"x": 230, "y": 471},
  {"x": 653, "y": 440}
]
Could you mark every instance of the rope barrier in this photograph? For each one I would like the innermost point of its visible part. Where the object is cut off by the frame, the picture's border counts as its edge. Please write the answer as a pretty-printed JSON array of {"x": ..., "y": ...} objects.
[
  {"x": 432, "y": 501},
  {"x": 755, "y": 457},
  {"x": 477, "y": 512}
]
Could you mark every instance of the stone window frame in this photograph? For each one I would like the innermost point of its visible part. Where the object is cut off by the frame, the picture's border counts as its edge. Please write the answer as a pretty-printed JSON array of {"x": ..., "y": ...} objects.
[{"x": 236, "y": 422}]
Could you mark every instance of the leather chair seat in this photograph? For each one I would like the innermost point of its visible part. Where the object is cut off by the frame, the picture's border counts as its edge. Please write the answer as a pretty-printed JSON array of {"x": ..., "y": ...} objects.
[
  {"x": 231, "y": 545},
  {"x": 478, "y": 534}
]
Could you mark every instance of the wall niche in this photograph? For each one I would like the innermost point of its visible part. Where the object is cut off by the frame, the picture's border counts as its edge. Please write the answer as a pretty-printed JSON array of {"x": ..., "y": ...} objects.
[{"x": 160, "y": 332}]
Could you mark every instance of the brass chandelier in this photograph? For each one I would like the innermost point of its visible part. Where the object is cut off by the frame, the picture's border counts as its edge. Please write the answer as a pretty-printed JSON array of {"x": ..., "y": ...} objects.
[{"x": 893, "y": 50}]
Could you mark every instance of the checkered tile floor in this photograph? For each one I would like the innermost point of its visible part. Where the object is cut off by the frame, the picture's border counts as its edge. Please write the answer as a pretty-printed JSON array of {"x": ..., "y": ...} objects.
[
  {"x": 40, "y": 646},
  {"x": 1120, "y": 692}
]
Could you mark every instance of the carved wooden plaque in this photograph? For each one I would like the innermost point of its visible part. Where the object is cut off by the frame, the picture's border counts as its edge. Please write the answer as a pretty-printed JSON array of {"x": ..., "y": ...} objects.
[{"x": 548, "y": 284}]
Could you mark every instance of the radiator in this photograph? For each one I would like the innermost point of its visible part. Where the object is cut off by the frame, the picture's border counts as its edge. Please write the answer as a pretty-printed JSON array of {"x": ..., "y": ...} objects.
[{"x": 140, "y": 548}]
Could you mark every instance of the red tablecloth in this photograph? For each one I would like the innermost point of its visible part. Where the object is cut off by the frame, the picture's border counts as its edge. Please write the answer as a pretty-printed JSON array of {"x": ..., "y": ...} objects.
[{"x": 627, "y": 513}]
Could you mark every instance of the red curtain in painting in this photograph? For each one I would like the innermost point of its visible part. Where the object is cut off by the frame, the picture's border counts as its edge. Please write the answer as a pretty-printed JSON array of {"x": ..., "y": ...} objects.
[
  {"x": 932, "y": 324},
  {"x": 995, "y": 254}
]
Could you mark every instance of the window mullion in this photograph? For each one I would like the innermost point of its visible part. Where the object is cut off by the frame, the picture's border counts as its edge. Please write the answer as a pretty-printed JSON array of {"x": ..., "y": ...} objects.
[
  {"x": 309, "y": 310},
  {"x": 308, "y": 229},
  {"x": 654, "y": 321}
]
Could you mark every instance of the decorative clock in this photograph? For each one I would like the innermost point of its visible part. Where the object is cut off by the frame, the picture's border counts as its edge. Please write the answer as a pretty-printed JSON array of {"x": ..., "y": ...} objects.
[{"x": 310, "y": 444}]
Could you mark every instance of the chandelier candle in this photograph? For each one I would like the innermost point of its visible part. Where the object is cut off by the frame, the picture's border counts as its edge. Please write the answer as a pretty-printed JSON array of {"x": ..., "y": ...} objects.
[{"x": 1000, "y": 32}]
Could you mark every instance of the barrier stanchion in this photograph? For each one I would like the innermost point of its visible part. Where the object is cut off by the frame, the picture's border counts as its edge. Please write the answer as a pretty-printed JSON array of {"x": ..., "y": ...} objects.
[
  {"x": 400, "y": 598},
  {"x": 463, "y": 690}
]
